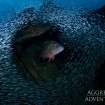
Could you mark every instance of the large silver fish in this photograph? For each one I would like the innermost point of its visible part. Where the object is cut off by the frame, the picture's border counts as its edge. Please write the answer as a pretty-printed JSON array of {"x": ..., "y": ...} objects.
[{"x": 50, "y": 49}]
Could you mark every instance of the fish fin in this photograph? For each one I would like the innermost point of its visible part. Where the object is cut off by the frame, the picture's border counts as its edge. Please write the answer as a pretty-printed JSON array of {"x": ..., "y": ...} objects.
[
  {"x": 44, "y": 43},
  {"x": 53, "y": 58},
  {"x": 49, "y": 59}
]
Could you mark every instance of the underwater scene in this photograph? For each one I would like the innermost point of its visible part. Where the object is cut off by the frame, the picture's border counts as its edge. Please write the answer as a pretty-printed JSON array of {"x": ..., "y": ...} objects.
[{"x": 52, "y": 52}]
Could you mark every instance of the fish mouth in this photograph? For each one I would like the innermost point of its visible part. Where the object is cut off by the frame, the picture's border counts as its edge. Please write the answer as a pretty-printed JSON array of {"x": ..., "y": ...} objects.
[{"x": 61, "y": 49}]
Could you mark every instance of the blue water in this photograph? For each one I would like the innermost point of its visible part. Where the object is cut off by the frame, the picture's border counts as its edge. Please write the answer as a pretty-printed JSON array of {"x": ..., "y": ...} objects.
[
  {"x": 10, "y": 7},
  {"x": 90, "y": 4}
]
